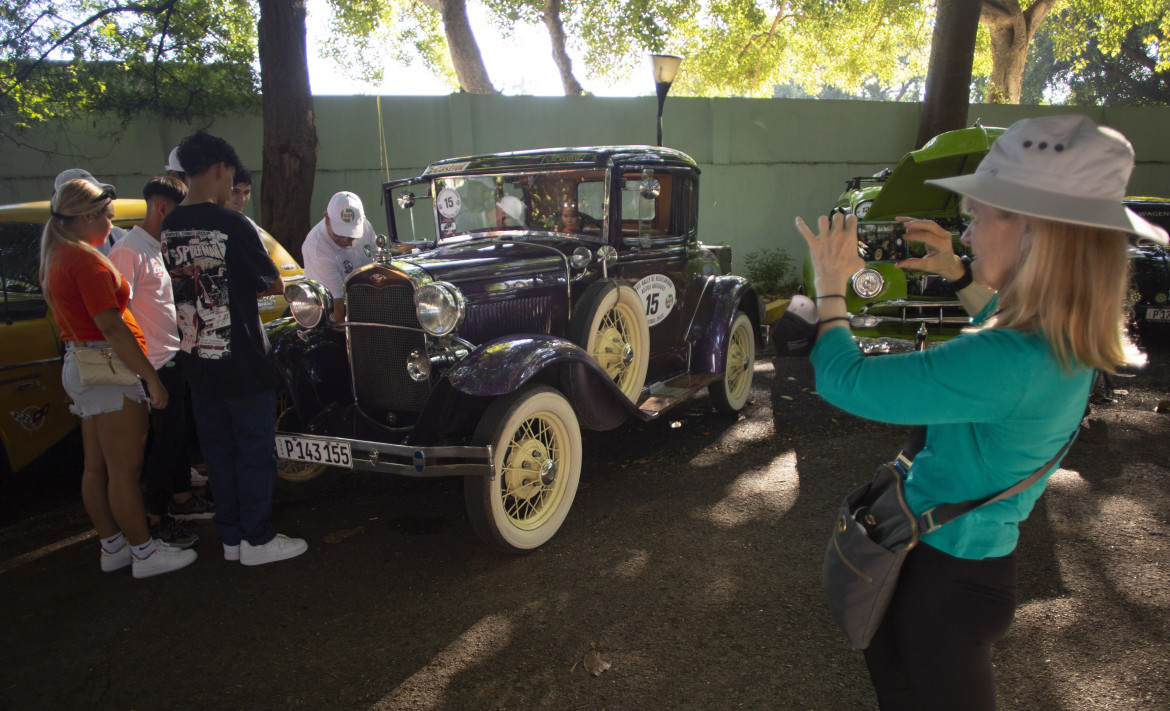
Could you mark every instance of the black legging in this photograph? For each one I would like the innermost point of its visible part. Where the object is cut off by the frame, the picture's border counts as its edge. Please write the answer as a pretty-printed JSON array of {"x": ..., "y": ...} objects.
[{"x": 933, "y": 649}]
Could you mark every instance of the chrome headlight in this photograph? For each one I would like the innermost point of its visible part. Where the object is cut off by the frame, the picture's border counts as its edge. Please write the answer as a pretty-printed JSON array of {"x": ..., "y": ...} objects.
[
  {"x": 440, "y": 307},
  {"x": 868, "y": 283},
  {"x": 311, "y": 304},
  {"x": 862, "y": 208}
]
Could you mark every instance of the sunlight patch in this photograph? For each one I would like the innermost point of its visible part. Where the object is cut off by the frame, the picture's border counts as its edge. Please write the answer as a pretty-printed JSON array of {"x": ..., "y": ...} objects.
[
  {"x": 633, "y": 566},
  {"x": 424, "y": 689},
  {"x": 1067, "y": 480},
  {"x": 769, "y": 490}
]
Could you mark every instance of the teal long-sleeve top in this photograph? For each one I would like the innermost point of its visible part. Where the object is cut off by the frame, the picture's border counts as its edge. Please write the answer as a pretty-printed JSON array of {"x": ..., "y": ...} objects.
[{"x": 997, "y": 406}]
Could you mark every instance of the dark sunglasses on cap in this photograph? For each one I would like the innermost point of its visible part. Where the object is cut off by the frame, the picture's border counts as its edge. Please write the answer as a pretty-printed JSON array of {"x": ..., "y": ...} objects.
[{"x": 106, "y": 194}]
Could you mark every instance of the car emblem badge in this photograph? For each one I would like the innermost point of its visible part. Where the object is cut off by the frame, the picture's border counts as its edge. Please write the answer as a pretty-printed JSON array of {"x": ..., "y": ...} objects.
[{"x": 377, "y": 278}]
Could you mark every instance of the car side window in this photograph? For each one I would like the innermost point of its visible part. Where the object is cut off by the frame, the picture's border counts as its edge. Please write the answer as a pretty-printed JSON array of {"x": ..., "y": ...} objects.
[
  {"x": 20, "y": 244},
  {"x": 645, "y": 218}
]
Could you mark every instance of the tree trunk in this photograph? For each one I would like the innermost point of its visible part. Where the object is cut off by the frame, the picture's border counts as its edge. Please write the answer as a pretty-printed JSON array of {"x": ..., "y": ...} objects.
[
  {"x": 947, "y": 95},
  {"x": 469, "y": 68},
  {"x": 556, "y": 34},
  {"x": 290, "y": 130},
  {"x": 1011, "y": 30}
]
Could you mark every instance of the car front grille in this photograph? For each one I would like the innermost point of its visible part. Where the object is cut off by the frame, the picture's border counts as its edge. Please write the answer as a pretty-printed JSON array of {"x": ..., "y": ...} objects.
[{"x": 378, "y": 355}]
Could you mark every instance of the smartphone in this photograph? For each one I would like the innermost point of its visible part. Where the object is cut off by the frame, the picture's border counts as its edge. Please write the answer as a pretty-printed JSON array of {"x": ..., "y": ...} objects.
[{"x": 882, "y": 241}]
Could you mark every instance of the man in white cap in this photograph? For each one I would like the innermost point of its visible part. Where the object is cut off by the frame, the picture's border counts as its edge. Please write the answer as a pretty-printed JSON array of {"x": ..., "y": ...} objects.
[
  {"x": 337, "y": 245},
  {"x": 116, "y": 233},
  {"x": 174, "y": 168}
]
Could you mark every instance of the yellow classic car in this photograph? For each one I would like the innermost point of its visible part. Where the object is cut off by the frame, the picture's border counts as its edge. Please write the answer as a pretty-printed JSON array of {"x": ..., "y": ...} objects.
[{"x": 34, "y": 409}]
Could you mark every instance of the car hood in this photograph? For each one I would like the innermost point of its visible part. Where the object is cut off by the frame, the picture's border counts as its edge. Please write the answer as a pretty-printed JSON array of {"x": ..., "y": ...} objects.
[
  {"x": 493, "y": 259},
  {"x": 944, "y": 156}
]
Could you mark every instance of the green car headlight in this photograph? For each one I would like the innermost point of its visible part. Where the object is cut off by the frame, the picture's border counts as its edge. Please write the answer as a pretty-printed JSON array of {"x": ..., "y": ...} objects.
[
  {"x": 868, "y": 283},
  {"x": 310, "y": 303},
  {"x": 440, "y": 307}
]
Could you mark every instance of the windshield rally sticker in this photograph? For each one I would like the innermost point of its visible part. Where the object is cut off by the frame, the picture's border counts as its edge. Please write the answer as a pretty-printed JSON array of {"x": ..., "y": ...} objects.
[
  {"x": 657, "y": 294},
  {"x": 449, "y": 202}
]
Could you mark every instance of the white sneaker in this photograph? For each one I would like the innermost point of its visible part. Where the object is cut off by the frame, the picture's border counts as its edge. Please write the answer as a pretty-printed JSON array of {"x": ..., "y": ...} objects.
[
  {"x": 165, "y": 559},
  {"x": 117, "y": 560},
  {"x": 197, "y": 479},
  {"x": 279, "y": 548},
  {"x": 231, "y": 552}
]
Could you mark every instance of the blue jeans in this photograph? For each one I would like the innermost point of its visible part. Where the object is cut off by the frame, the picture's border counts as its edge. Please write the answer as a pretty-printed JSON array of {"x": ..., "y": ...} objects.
[{"x": 235, "y": 434}]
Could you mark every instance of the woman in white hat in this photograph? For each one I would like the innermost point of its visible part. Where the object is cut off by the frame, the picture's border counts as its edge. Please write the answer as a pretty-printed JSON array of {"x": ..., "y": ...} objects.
[{"x": 1047, "y": 288}]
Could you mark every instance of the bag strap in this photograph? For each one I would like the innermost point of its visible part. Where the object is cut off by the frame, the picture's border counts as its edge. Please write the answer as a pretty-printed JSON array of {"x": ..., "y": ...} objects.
[{"x": 934, "y": 518}]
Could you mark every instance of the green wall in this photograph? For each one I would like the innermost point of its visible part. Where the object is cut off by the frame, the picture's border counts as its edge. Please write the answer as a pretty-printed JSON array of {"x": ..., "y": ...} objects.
[{"x": 764, "y": 161}]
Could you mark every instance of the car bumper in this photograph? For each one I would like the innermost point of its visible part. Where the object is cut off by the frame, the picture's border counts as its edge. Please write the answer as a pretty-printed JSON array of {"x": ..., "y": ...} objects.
[{"x": 406, "y": 460}]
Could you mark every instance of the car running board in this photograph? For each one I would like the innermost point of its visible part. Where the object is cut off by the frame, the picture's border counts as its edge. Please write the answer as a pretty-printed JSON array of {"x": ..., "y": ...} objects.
[{"x": 666, "y": 395}]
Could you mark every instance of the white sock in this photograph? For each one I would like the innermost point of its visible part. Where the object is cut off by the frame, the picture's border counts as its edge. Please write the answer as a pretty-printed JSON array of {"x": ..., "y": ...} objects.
[
  {"x": 143, "y": 551},
  {"x": 114, "y": 543}
]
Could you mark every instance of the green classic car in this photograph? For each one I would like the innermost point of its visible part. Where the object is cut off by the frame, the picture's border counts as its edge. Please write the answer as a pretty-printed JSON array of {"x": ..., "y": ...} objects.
[{"x": 895, "y": 310}]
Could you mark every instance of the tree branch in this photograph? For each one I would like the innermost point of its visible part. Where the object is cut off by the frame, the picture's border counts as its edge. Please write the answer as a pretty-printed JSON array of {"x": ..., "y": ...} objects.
[{"x": 135, "y": 8}]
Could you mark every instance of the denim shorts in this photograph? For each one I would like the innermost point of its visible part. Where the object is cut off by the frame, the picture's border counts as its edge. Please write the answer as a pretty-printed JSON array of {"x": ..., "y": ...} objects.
[{"x": 96, "y": 399}]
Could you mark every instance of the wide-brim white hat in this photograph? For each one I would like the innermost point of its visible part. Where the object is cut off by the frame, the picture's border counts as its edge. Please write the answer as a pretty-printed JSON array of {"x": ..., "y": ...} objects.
[{"x": 1060, "y": 168}]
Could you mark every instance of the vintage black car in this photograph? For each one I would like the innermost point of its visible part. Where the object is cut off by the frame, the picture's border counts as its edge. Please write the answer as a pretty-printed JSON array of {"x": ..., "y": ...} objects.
[{"x": 523, "y": 296}]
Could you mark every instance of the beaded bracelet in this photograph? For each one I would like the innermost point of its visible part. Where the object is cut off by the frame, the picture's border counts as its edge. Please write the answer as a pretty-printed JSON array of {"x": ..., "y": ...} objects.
[
  {"x": 830, "y": 296},
  {"x": 831, "y": 319},
  {"x": 964, "y": 281}
]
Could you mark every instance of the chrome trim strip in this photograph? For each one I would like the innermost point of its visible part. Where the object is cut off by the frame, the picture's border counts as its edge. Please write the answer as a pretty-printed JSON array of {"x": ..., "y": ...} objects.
[{"x": 31, "y": 363}]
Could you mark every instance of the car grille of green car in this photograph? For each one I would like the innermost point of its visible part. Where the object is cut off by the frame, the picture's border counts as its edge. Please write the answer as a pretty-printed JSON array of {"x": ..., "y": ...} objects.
[{"x": 378, "y": 355}]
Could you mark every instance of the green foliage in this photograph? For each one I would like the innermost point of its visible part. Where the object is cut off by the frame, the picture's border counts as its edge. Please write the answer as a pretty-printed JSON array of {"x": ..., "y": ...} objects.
[
  {"x": 1084, "y": 57},
  {"x": 862, "y": 48},
  {"x": 367, "y": 33},
  {"x": 771, "y": 271},
  {"x": 182, "y": 59}
]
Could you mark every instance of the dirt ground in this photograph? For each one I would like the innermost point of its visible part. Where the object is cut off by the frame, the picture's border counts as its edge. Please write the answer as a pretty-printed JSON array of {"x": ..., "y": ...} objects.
[{"x": 690, "y": 564}]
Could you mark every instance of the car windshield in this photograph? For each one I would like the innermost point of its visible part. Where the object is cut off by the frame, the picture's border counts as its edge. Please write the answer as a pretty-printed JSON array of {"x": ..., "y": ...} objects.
[{"x": 570, "y": 202}]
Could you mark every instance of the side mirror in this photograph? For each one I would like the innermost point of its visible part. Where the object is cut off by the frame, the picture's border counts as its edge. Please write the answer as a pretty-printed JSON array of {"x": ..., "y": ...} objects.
[{"x": 649, "y": 188}]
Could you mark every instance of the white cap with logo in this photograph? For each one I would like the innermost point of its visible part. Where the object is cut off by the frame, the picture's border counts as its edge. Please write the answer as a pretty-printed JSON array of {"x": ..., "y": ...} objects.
[
  {"x": 346, "y": 215},
  {"x": 78, "y": 174}
]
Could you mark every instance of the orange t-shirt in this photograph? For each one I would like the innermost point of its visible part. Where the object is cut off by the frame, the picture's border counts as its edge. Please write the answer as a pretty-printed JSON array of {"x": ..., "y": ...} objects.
[{"x": 81, "y": 285}]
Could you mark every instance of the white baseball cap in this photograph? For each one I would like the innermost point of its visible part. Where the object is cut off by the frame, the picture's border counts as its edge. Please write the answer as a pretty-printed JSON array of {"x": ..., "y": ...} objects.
[
  {"x": 173, "y": 164},
  {"x": 513, "y": 207},
  {"x": 1059, "y": 168},
  {"x": 346, "y": 214},
  {"x": 79, "y": 174}
]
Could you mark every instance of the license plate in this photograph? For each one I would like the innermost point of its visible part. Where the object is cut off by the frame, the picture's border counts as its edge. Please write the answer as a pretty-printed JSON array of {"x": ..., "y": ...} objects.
[
  {"x": 1158, "y": 314},
  {"x": 335, "y": 453}
]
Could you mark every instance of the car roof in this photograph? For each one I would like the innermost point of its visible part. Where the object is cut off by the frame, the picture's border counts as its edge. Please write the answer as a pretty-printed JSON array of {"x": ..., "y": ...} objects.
[
  {"x": 127, "y": 212},
  {"x": 545, "y": 158},
  {"x": 944, "y": 156}
]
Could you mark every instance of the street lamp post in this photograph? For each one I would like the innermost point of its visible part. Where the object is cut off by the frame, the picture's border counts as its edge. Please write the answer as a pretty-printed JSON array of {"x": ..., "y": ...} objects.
[{"x": 665, "y": 67}]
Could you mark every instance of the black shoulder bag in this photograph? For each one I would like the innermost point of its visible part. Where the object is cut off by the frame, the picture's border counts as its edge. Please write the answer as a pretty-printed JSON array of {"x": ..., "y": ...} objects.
[{"x": 874, "y": 532}]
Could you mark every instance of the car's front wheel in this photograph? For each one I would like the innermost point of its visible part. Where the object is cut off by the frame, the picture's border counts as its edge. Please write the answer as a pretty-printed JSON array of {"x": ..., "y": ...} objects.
[
  {"x": 730, "y": 393},
  {"x": 536, "y": 450},
  {"x": 297, "y": 481}
]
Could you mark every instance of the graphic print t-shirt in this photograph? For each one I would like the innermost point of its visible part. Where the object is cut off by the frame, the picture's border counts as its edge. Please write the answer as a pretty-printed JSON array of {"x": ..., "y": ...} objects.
[{"x": 218, "y": 265}]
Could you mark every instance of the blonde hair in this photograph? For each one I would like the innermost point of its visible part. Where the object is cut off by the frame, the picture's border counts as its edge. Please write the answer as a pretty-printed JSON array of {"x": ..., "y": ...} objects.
[
  {"x": 75, "y": 198},
  {"x": 1071, "y": 282}
]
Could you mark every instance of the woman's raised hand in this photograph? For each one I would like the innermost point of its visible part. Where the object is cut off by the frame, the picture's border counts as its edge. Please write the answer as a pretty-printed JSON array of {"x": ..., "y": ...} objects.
[
  {"x": 834, "y": 251},
  {"x": 940, "y": 257}
]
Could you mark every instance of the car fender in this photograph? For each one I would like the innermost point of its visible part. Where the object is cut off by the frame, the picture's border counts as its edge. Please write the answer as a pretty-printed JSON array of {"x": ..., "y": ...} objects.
[
  {"x": 313, "y": 366},
  {"x": 711, "y": 326},
  {"x": 505, "y": 365}
]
